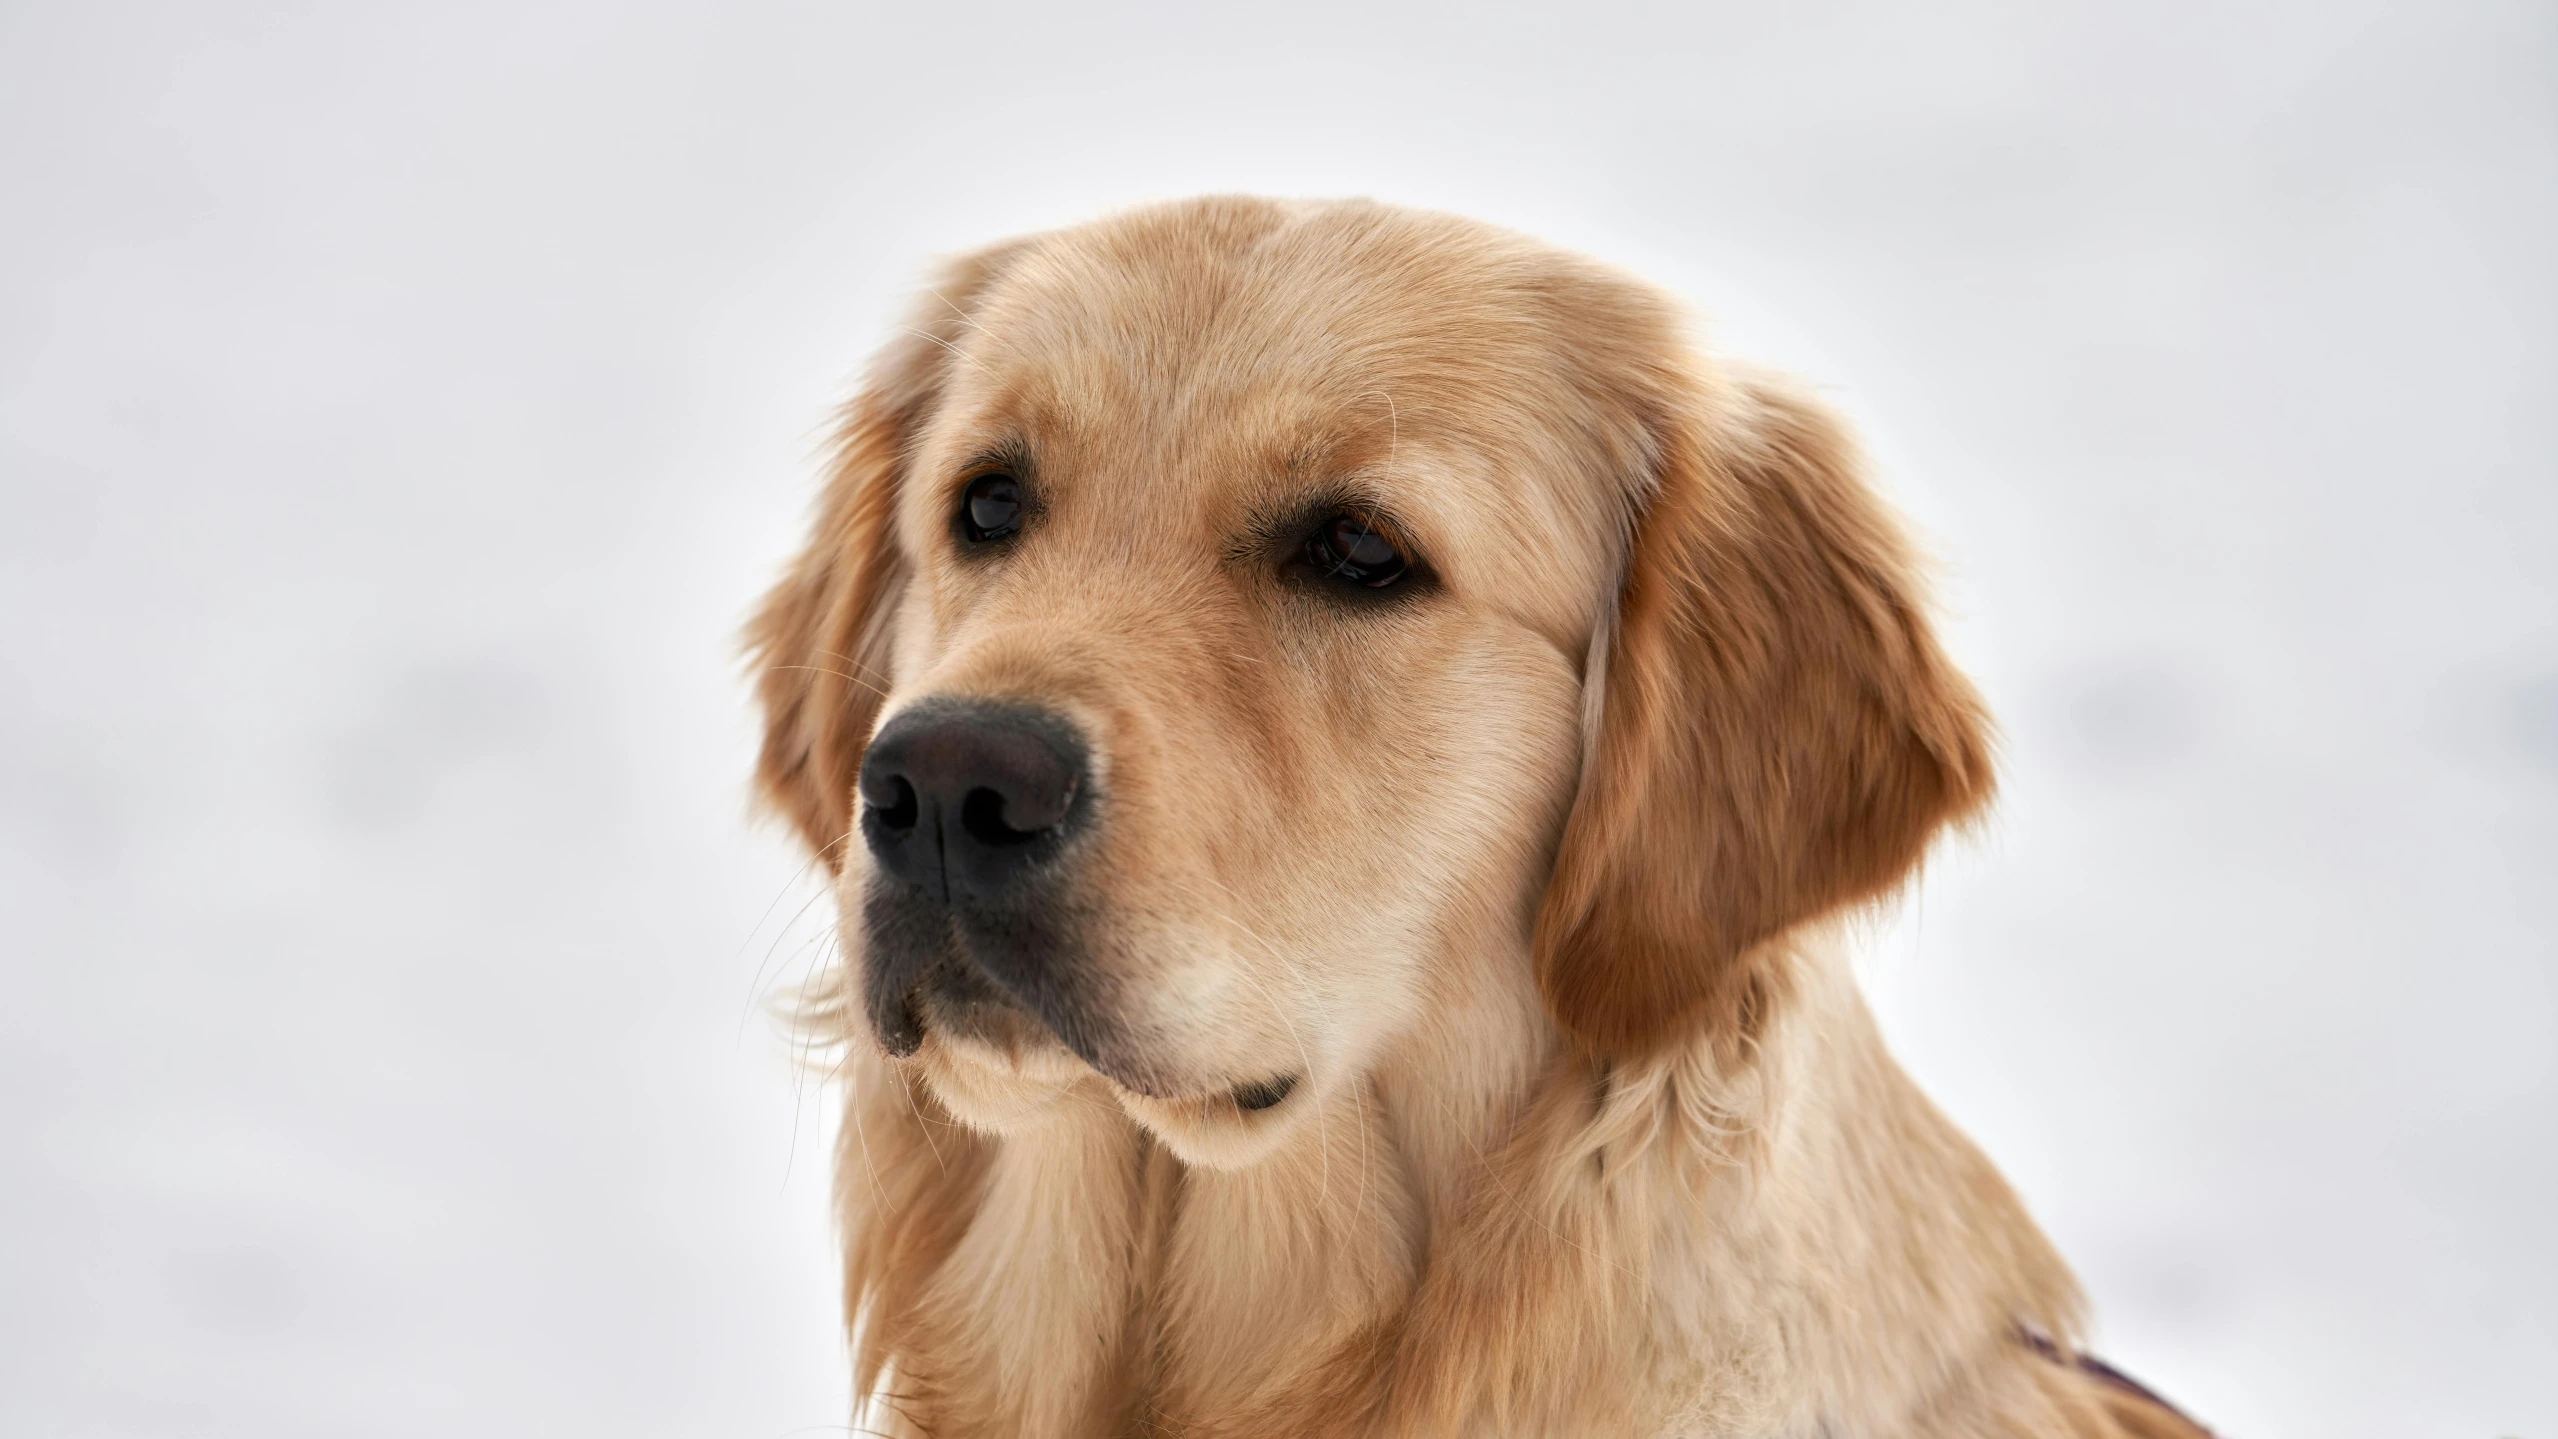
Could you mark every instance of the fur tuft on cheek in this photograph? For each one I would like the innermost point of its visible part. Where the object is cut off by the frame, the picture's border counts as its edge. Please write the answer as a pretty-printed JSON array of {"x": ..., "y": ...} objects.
[
  {"x": 819, "y": 644},
  {"x": 1779, "y": 735}
]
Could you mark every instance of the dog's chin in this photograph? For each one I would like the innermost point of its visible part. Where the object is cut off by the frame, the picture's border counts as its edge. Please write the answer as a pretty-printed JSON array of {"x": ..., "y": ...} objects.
[
  {"x": 1003, "y": 1089},
  {"x": 1000, "y": 1089}
]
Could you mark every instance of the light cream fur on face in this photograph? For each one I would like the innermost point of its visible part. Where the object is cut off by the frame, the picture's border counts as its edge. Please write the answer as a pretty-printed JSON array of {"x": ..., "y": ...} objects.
[{"x": 1527, "y": 879}]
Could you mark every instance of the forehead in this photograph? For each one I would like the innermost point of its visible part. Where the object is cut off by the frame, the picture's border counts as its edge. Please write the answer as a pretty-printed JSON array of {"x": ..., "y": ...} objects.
[{"x": 1198, "y": 359}]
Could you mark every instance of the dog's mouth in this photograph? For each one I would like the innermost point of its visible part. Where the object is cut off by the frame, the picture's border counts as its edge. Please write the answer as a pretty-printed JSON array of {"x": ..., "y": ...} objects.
[
  {"x": 973, "y": 1014},
  {"x": 1009, "y": 978},
  {"x": 970, "y": 1017}
]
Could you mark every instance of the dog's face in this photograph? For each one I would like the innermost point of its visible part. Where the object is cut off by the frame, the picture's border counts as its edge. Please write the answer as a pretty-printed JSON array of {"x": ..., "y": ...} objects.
[
  {"x": 1223, "y": 616},
  {"x": 1269, "y": 574}
]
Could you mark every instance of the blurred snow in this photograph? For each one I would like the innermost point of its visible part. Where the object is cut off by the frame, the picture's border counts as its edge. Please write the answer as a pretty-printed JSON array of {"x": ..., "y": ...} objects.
[{"x": 400, "y": 407}]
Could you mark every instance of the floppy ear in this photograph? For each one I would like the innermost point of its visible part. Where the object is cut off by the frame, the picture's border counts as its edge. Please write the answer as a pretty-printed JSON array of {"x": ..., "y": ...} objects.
[
  {"x": 1778, "y": 737},
  {"x": 819, "y": 644}
]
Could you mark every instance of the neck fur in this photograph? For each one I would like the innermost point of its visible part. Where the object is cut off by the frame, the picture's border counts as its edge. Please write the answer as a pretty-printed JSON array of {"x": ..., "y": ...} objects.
[{"x": 1779, "y": 1237}]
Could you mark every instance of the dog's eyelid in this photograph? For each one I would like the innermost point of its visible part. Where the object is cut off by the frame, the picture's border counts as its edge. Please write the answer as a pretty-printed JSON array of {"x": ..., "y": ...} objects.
[
  {"x": 1009, "y": 457},
  {"x": 1384, "y": 524},
  {"x": 1290, "y": 521}
]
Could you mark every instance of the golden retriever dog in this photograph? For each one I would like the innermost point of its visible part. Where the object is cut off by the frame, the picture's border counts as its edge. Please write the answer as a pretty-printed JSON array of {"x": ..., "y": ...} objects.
[{"x": 1346, "y": 748}]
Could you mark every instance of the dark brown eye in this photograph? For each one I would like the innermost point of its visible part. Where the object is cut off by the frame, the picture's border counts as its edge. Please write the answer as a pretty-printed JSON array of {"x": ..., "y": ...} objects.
[
  {"x": 1344, "y": 548},
  {"x": 990, "y": 508}
]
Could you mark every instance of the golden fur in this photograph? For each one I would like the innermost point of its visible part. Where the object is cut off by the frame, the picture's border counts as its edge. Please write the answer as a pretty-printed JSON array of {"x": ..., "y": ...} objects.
[{"x": 1535, "y": 882}]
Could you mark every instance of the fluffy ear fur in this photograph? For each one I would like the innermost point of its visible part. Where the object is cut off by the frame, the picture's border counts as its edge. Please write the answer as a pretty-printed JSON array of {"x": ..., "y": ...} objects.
[
  {"x": 1779, "y": 735},
  {"x": 818, "y": 645}
]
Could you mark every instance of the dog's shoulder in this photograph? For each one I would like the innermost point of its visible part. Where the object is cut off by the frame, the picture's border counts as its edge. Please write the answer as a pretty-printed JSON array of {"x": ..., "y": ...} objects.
[{"x": 2111, "y": 1404}]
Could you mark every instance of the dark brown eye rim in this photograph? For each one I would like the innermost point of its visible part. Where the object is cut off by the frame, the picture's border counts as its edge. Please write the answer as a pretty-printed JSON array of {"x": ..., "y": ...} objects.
[
  {"x": 1349, "y": 549},
  {"x": 990, "y": 507}
]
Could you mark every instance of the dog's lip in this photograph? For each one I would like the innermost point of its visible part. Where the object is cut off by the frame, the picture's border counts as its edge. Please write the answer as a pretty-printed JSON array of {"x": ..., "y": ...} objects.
[
  {"x": 1252, "y": 1097},
  {"x": 1030, "y": 1033}
]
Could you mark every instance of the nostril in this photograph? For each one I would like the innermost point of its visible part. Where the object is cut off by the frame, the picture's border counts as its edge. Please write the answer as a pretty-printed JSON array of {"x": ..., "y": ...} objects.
[
  {"x": 902, "y": 808},
  {"x": 962, "y": 800},
  {"x": 983, "y": 815}
]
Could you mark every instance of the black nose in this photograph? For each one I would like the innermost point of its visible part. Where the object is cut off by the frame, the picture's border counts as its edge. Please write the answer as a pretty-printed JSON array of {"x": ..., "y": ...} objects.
[{"x": 961, "y": 798}]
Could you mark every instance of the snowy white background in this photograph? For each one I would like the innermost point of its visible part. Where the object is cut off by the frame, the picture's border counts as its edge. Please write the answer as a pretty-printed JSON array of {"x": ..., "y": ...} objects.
[{"x": 401, "y": 405}]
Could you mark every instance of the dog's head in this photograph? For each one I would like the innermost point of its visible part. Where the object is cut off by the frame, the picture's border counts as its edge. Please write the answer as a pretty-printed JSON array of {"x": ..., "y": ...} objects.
[{"x": 1222, "y": 617}]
